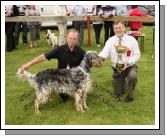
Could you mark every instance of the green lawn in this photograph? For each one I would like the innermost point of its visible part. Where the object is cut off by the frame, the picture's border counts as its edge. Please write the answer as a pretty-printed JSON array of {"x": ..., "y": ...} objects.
[{"x": 103, "y": 108}]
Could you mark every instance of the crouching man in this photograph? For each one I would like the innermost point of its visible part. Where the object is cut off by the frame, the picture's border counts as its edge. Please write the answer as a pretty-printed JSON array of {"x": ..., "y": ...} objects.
[{"x": 124, "y": 53}]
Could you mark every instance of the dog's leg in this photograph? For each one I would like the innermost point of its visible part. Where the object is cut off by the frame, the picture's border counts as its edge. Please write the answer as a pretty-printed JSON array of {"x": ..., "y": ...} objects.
[
  {"x": 39, "y": 98},
  {"x": 78, "y": 102},
  {"x": 48, "y": 41},
  {"x": 84, "y": 102},
  {"x": 77, "y": 98},
  {"x": 53, "y": 44},
  {"x": 37, "y": 102}
]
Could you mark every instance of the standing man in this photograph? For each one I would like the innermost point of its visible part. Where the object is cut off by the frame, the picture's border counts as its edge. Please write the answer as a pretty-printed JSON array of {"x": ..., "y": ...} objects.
[
  {"x": 62, "y": 10},
  {"x": 124, "y": 53},
  {"x": 80, "y": 10},
  {"x": 106, "y": 12},
  {"x": 68, "y": 55},
  {"x": 97, "y": 25},
  {"x": 20, "y": 25},
  {"x": 10, "y": 10}
]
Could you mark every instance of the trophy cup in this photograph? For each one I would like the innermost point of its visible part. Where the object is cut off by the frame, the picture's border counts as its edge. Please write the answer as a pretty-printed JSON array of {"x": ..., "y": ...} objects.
[{"x": 120, "y": 49}]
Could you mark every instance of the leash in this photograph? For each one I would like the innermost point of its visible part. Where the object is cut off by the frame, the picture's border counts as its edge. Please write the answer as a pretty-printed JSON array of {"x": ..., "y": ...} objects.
[{"x": 83, "y": 70}]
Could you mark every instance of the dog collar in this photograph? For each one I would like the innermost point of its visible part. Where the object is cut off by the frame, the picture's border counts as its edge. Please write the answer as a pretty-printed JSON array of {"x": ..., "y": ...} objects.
[{"x": 83, "y": 70}]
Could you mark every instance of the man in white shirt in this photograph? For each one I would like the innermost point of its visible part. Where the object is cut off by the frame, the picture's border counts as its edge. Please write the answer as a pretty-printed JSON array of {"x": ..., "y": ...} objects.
[{"x": 124, "y": 53}]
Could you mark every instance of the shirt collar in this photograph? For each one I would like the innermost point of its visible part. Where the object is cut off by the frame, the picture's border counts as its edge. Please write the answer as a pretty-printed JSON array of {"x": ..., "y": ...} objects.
[
  {"x": 123, "y": 38},
  {"x": 67, "y": 49}
]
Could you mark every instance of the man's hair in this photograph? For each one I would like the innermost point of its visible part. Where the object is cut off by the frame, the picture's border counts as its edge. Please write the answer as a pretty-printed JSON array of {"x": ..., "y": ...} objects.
[
  {"x": 74, "y": 31},
  {"x": 117, "y": 22}
]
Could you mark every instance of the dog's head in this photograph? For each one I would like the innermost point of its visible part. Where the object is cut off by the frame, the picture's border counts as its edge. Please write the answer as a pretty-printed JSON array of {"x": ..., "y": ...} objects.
[
  {"x": 48, "y": 32},
  {"x": 92, "y": 59}
]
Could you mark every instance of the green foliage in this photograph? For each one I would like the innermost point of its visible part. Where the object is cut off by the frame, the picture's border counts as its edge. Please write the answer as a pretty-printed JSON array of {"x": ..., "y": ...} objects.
[{"x": 103, "y": 108}]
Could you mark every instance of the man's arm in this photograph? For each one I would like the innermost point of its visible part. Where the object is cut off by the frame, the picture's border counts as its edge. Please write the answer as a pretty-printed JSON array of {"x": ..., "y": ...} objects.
[
  {"x": 135, "y": 53},
  {"x": 36, "y": 60},
  {"x": 105, "y": 53}
]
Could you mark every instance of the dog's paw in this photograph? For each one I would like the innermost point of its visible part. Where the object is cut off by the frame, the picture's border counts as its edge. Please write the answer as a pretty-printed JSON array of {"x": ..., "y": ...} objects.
[
  {"x": 37, "y": 112},
  {"x": 86, "y": 107},
  {"x": 82, "y": 111}
]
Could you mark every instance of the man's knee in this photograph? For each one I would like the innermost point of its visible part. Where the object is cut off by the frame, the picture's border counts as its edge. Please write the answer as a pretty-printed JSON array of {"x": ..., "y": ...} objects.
[{"x": 132, "y": 75}]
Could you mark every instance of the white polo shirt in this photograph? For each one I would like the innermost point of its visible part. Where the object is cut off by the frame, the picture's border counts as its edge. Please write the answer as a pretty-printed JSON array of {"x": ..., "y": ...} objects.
[{"x": 131, "y": 55}]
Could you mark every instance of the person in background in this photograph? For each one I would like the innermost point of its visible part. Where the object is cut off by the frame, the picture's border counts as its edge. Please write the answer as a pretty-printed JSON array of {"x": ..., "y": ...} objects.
[
  {"x": 62, "y": 10},
  {"x": 21, "y": 25},
  {"x": 122, "y": 10},
  {"x": 38, "y": 29},
  {"x": 32, "y": 26},
  {"x": 136, "y": 25},
  {"x": 97, "y": 25},
  {"x": 10, "y": 10},
  {"x": 124, "y": 53},
  {"x": 79, "y": 10},
  {"x": 106, "y": 12}
]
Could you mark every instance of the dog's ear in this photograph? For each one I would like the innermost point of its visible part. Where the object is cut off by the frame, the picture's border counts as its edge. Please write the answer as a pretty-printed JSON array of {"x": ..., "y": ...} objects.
[
  {"x": 91, "y": 54},
  {"x": 88, "y": 59}
]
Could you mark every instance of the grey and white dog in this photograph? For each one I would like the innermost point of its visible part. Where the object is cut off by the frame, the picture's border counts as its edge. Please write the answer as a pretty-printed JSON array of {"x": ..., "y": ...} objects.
[
  {"x": 51, "y": 38},
  {"x": 75, "y": 81}
]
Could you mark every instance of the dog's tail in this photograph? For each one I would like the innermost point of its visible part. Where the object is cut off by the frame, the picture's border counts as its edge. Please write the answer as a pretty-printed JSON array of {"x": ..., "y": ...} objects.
[{"x": 28, "y": 76}]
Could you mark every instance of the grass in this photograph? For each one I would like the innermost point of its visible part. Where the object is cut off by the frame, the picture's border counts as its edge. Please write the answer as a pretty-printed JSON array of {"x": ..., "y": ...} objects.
[{"x": 103, "y": 109}]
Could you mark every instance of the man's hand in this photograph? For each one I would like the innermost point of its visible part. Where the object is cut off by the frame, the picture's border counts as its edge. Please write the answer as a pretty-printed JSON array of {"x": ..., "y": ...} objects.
[
  {"x": 25, "y": 67},
  {"x": 126, "y": 64},
  {"x": 36, "y": 60}
]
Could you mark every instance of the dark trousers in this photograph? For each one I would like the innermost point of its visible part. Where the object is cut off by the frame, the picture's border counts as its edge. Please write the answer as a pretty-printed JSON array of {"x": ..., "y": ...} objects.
[
  {"x": 38, "y": 32},
  {"x": 18, "y": 30},
  {"x": 33, "y": 32},
  {"x": 97, "y": 28},
  {"x": 108, "y": 30},
  {"x": 127, "y": 79},
  {"x": 10, "y": 40},
  {"x": 80, "y": 25}
]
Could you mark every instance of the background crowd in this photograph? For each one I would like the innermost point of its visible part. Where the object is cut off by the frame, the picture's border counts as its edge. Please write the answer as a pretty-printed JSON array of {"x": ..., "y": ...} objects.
[{"x": 13, "y": 29}]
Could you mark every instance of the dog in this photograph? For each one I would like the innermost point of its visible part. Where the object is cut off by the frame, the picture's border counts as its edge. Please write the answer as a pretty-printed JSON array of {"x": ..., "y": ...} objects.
[
  {"x": 51, "y": 38},
  {"x": 74, "y": 81}
]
